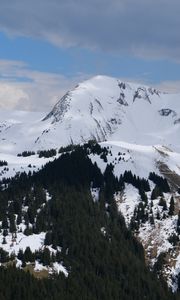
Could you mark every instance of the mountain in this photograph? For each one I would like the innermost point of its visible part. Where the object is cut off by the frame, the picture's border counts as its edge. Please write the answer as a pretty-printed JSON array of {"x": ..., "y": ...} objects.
[
  {"x": 104, "y": 108},
  {"x": 101, "y": 108},
  {"x": 129, "y": 133},
  {"x": 141, "y": 121}
]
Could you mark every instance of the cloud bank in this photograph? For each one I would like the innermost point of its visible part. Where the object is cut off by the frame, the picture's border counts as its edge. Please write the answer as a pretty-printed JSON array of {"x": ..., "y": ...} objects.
[
  {"x": 26, "y": 89},
  {"x": 143, "y": 28}
]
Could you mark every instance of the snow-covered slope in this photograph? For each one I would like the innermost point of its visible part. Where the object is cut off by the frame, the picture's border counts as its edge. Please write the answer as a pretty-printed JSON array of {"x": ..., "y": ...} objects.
[
  {"x": 19, "y": 130},
  {"x": 101, "y": 108},
  {"x": 157, "y": 232},
  {"x": 139, "y": 120},
  {"x": 105, "y": 108}
]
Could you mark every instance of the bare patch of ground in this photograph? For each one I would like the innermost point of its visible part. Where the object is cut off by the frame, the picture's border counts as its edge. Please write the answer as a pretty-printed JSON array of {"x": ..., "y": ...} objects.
[{"x": 172, "y": 177}]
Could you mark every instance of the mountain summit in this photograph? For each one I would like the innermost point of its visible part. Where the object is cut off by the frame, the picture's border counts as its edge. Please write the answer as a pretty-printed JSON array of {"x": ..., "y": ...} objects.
[
  {"x": 101, "y": 108},
  {"x": 104, "y": 108}
]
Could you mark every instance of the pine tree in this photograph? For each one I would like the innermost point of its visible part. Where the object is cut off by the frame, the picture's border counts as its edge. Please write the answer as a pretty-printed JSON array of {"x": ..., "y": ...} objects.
[
  {"x": 178, "y": 223},
  {"x": 5, "y": 232},
  {"x": 20, "y": 255},
  {"x": 5, "y": 223},
  {"x": 162, "y": 202},
  {"x": 4, "y": 240},
  {"x": 28, "y": 256},
  {"x": 48, "y": 238},
  {"x": 156, "y": 192},
  {"x": 134, "y": 225},
  {"x": 143, "y": 196},
  {"x": 158, "y": 215},
  {"x": 12, "y": 227},
  {"x": 46, "y": 257},
  {"x": 19, "y": 218},
  {"x": 171, "y": 207},
  {"x": 151, "y": 219}
]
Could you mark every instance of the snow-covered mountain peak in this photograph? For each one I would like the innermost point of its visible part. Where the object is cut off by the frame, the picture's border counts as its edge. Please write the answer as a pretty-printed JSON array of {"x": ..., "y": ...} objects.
[
  {"x": 105, "y": 91},
  {"x": 101, "y": 108},
  {"x": 105, "y": 108}
]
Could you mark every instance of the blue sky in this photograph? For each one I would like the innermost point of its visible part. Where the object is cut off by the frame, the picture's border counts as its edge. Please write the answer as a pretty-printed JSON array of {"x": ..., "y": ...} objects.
[
  {"x": 45, "y": 57},
  {"x": 46, "y": 47}
]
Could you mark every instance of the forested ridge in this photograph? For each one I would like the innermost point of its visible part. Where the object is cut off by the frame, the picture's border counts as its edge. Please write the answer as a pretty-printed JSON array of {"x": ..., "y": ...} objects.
[{"x": 103, "y": 259}]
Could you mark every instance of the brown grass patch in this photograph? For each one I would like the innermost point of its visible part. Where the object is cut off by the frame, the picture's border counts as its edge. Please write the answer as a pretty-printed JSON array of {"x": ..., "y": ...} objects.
[{"x": 38, "y": 274}]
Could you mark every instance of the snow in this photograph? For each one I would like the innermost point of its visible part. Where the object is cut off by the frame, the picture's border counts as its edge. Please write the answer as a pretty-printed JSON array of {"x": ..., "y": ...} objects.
[
  {"x": 34, "y": 241},
  {"x": 95, "y": 194},
  {"x": 48, "y": 196},
  {"x": 93, "y": 110},
  {"x": 60, "y": 268},
  {"x": 127, "y": 118},
  {"x": 39, "y": 267},
  {"x": 54, "y": 268},
  {"x": 18, "y": 263},
  {"x": 103, "y": 230},
  {"x": 96, "y": 109},
  {"x": 154, "y": 237},
  {"x": 20, "y": 164},
  {"x": 175, "y": 272},
  {"x": 127, "y": 201}
]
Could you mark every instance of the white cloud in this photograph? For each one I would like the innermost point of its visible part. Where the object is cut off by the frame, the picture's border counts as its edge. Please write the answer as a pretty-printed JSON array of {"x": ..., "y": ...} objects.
[
  {"x": 145, "y": 28},
  {"x": 27, "y": 89},
  {"x": 13, "y": 96},
  {"x": 169, "y": 86}
]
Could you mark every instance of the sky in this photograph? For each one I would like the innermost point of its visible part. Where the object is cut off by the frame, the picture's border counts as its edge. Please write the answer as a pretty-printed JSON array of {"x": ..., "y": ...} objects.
[{"x": 48, "y": 46}]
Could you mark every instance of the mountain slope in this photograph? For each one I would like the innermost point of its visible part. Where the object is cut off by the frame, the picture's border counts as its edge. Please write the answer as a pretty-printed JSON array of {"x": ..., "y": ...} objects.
[
  {"x": 137, "y": 127},
  {"x": 139, "y": 120},
  {"x": 100, "y": 108},
  {"x": 104, "y": 108},
  {"x": 86, "y": 237}
]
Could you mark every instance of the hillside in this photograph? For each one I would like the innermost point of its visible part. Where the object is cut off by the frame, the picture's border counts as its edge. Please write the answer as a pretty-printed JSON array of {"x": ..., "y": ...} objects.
[
  {"x": 128, "y": 133},
  {"x": 64, "y": 219},
  {"x": 139, "y": 119}
]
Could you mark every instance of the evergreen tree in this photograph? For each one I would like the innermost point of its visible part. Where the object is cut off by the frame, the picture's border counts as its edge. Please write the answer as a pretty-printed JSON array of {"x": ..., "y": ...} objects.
[
  {"x": 28, "y": 256},
  {"x": 143, "y": 196},
  {"x": 171, "y": 207},
  {"x": 19, "y": 219},
  {"x": 162, "y": 202},
  {"x": 98, "y": 251},
  {"x": 12, "y": 227},
  {"x": 5, "y": 232},
  {"x": 4, "y": 240},
  {"x": 45, "y": 257},
  {"x": 156, "y": 192},
  {"x": 5, "y": 222},
  {"x": 48, "y": 238},
  {"x": 178, "y": 223},
  {"x": 20, "y": 255},
  {"x": 151, "y": 219}
]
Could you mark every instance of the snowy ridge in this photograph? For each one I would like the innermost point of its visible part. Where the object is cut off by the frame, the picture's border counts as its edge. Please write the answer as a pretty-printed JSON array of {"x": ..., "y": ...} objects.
[
  {"x": 104, "y": 108},
  {"x": 101, "y": 108}
]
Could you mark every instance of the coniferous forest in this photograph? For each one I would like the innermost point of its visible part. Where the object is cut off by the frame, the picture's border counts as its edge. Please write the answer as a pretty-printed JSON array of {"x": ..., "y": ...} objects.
[{"x": 103, "y": 259}]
